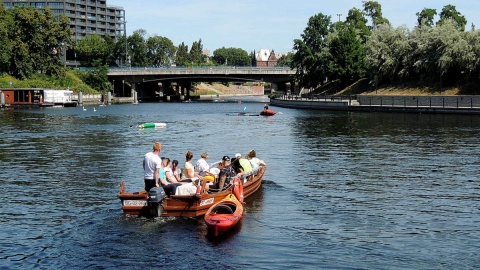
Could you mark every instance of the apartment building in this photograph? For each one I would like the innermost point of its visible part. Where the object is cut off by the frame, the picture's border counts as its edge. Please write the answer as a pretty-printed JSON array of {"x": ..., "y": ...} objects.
[{"x": 86, "y": 17}]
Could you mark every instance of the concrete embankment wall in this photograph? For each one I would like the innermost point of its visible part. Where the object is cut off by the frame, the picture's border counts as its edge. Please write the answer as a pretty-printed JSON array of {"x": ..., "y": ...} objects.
[{"x": 467, "y": 105}]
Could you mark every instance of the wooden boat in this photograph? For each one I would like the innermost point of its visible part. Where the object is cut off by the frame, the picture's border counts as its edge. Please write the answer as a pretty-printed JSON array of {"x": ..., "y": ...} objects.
[
  {"x": 139, "y": 204},
  {"x": 224, "y": 215},
  {"x": 268, "y": 112}
]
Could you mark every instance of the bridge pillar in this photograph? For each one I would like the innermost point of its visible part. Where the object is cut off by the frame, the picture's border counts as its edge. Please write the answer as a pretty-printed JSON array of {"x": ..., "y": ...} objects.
[{"x": 134, "y": 92}]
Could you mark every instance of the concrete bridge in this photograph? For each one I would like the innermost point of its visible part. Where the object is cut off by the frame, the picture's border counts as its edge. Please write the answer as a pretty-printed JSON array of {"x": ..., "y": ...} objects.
[{"x": 149, "y": 83}]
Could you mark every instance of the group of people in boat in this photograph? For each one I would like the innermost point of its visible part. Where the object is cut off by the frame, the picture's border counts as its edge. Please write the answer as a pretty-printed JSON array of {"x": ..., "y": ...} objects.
[{"x": 198, "y": 177}]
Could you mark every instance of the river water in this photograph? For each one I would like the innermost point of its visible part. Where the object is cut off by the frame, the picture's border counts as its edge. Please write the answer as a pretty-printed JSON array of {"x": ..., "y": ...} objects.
[{"x": 342, "y": 190}]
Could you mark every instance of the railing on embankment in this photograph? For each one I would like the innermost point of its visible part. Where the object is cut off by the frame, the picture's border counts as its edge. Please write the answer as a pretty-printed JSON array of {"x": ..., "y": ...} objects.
[{"x": 374, "y": 103}]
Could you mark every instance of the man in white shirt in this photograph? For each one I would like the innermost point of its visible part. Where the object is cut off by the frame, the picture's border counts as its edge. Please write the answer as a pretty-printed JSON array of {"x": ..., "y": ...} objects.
[{"x": 151, "y": 166}]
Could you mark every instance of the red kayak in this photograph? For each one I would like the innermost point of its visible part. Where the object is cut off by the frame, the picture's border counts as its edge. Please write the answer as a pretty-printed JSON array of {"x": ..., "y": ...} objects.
[
  {"x": 223, "y": 215},
  {"x": 268, "y": 112}
]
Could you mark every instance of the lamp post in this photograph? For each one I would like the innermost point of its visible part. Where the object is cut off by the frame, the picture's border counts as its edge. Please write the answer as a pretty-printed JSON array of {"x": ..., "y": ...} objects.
[
  {"x": 123, "y": 90},
  {"x": 339, "y": 15},
  {"x": 113, "y": 87},
  {"x": 64, "y": 50},
  {"x": 125, "y": 33}
]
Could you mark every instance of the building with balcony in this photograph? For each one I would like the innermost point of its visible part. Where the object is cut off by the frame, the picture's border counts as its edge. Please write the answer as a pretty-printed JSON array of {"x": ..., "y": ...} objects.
[{"x": 85, "y": 17}]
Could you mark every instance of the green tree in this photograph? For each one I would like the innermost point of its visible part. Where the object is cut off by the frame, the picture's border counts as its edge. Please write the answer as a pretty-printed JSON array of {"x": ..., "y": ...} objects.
[
  {"x": 6, "y": 23},
  {"x": 120, "y": 51},
  {"x": 373, "y": 9},
  {"x": 160, "y": 50},
  {"x": 196, "y": 55},
  {"x": 231, "y": 57},
  {"x": 38, "y": 41},
  {"x": 426, "y": 16},
  {"x": 90, "y": 49},
  {"x": 387, "y": 48},
  {"x": 110, "y": 59},
  {"x": 310, "y": 58},
  {"x": 97, "y": 78},
  {"x": 286, "y": 60},
  {"x": 137, "y": 49},
  {"x": 449, "y": 12},
  {"x": 346, "y": 55},
  {"x": 357, "y": 19},
  {"x": 181, "y": 58}
]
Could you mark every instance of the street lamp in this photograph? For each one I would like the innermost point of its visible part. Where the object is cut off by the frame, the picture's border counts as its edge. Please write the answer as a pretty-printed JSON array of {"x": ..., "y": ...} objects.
[{"x": 339, "y": 15}]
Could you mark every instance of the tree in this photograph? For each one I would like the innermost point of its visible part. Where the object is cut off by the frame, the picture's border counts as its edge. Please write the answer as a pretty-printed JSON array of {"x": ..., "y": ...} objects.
[
  {"x": 196, "y": 55},
  {"x": 181, "y": 58},
  {"x": 231, "y": 57},
  {"x": 387, "y": 48},
  {"x": 310, "y": 58},
  {"x": 449, "y": 12},
  {"x": 137, "y": 49},
  {"x": 97, "y": 78},
  {"x": 110, "y": 58},
  {"x": 426, "y": 16},
  {"x": 357, "y": 19},
  {"x": 160, "y": 50},
  {"x": 346, "y": 61},
  {"x": 286, "y": 60},
  {"x": 91, "y": 49},
  {"x": 373, "y": 9},
  {"x": 6, "y": 23},
  {"x": 38, "y": 40}
]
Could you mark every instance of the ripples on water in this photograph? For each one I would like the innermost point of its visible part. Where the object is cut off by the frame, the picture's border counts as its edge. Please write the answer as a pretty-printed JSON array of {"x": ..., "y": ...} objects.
[{"x": 342, "y": 190}]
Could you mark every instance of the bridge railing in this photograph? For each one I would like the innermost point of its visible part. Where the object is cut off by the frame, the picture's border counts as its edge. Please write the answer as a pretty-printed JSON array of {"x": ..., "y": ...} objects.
[{"x": 200, "y": 70}]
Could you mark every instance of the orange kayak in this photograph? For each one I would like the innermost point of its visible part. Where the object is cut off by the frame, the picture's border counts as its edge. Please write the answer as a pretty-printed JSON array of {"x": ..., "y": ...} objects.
[{"x": 223, "y": 215}]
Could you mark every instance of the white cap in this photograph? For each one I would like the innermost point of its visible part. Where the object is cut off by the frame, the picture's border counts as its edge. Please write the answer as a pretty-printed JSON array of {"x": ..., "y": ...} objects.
[{"x": 238, "y": 155}]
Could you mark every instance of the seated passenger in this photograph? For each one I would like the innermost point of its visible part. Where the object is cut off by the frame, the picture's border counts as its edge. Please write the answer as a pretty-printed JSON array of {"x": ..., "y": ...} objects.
[
  {"x": 189, "y": 170},
  {"x": 226, "y": 175},
  {"x": 170, "y": 188},
  {"x": 202, "y": 168},
  {"x": 246, "y": 167},
  {"x": 256, "y": 162}
]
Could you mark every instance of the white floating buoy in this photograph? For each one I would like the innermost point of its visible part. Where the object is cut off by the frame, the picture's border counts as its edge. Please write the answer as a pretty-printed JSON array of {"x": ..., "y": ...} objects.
[
  {"x": 94, "y": 109},
  {"x": 84, "y": 108}
]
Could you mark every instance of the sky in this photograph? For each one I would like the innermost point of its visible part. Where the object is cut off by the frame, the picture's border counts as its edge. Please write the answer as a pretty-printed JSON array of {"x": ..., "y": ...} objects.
[{"x": 252, "y": 25}]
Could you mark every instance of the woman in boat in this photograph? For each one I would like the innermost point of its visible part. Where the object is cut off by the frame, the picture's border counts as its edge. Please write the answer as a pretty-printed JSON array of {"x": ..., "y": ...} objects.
[
  {"x": 189, "y": 170},
  {"x": 169, "y": 175},
  {"x": 175, "y": 170},
  {"x": 169, "y": 187},
  {"x": 256, "y": 162}
]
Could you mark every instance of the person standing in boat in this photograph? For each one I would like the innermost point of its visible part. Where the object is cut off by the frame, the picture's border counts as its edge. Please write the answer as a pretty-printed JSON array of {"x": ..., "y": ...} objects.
[{"x": 151, "y": 167}]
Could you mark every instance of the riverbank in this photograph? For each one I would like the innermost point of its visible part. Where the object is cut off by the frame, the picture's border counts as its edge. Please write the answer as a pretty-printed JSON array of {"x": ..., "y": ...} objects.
[{"x": 379, "y": 103}]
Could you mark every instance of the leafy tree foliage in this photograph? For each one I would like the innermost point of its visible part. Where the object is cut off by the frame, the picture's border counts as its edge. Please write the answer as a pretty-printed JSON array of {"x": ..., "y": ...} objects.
[
  {"x": 37, "y": 41},
  {"x": 181, "y": 58},
  {"x": 97, "y": 77},
  {"x": 137, "y": 49},
  {"x": 90, "y": 49},
  {"x": 311, "y": 52},
  {"x": 231, "y": 57},
  {"x": 160, "y": 51},
  {"x": 449, "y": 12},
  {"x": 196, "y": 56},
  {"x": 373, "y": 9},
  {"x": 426, "y": 16},
  {"x": 346, "y": 55},
  {"x": 6, "y": 23},
  {"x": 357, "y": 19},
  {"x": 286, "y": 60}
]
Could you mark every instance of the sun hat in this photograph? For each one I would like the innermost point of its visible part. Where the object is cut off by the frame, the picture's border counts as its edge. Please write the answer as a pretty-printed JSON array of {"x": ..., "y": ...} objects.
[{"x": 238, "y": 155}]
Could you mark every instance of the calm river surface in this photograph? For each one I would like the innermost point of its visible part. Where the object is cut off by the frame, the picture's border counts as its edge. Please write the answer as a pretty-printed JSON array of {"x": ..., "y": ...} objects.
[{"x": 342, "y": 190}]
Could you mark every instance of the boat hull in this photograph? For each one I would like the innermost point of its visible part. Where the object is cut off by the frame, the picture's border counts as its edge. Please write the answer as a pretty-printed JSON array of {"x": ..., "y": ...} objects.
[
  {"x": 224, "y": 215},
  {"x": 268, "y": 112},
  {"x": 136, "y": 203}
]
